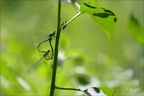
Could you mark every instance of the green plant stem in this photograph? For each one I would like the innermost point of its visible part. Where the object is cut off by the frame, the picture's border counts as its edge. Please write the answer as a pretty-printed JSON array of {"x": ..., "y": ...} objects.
[
  {"x": 68, "y": 89},
  {"x": 56, "y": 51},
  {"x": 59, "y": 28}
]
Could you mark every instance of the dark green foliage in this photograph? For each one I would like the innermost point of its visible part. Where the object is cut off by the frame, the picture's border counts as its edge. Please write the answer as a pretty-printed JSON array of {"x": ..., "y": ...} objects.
[
  {"x": 96, "y": 89},
  {"x": 83, "y": 79},
  {"x": 89, "y": 6},
  {"x": 136, "y": 29},
  {"x": 102, "y": 15}
]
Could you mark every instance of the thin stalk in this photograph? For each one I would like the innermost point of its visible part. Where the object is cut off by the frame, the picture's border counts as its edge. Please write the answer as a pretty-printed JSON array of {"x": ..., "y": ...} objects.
[
  {"x": 74, "y": 89},
  {"x": 56, "y": 51}
]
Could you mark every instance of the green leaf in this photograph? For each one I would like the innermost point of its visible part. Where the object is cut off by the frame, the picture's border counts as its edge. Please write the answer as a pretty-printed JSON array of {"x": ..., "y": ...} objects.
[
  {"x": 104, "y": 17},
  {"x": 136, "y": 29},
  {"x": 83, "y": 79},
  {"x": 108, "y": 91}
]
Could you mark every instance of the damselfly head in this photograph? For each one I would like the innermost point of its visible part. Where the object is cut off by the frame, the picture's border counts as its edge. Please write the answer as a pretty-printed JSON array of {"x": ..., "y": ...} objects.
[{"x": 52, "y": 34}]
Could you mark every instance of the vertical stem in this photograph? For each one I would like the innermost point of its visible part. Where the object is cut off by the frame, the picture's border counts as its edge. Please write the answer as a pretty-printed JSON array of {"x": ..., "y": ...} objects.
[{"x": 53, "y": 86}]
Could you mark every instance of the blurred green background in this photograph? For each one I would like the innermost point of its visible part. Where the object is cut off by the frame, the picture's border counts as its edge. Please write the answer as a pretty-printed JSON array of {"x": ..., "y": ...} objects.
[{"x": 85, "y": 49}]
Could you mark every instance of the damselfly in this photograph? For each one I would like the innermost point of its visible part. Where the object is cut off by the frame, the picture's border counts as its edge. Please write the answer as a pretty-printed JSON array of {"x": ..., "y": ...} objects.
[{"x": 48, "y": 54}]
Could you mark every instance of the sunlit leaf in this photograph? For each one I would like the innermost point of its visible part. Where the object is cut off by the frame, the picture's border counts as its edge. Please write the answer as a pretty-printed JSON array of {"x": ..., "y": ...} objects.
[
  {"x": 104, "y": 17},
  {"x": 136, "y": 29},
  {"x": 108, "y": 91}
]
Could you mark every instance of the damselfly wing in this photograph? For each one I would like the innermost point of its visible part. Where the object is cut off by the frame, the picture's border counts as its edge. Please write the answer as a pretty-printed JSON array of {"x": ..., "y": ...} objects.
[{"x": 35, "y": 66}]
